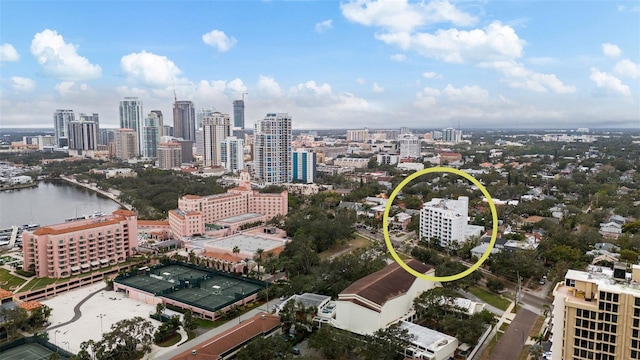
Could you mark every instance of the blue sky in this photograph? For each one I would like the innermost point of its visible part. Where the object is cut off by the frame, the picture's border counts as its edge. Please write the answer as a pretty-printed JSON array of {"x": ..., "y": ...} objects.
[{"x": 381, "y": 64}]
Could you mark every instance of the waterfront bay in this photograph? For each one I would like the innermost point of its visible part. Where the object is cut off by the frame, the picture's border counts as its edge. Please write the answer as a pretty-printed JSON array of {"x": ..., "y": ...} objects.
[{"x": 51, "y": 202}]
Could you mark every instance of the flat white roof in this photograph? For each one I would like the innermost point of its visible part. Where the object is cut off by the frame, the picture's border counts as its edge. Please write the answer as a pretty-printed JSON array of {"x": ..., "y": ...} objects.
[
  {"x": 427, "y": 338},
  {"x": 246, "y": 243}
]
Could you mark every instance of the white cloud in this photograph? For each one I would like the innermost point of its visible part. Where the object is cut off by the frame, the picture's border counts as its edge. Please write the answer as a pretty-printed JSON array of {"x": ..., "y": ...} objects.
[
  {"x": 219, "y": 40},
  {"x": 472, "y": 94},
  {"x": 324, "y": 26},
  {"x": 268, "y": 86},
  {"x": 429, "y": 91},
  {"x": 519, "y": 77},
  {"x": 64, "y": 87},
  {"x": 627, "y": 68},
  {"x": 622, "y": 8},
  {"x": 430, "y": 75},
  {"x": 237, "y": 86},
  {"x": 399, "y": 15},
  {"x": 399, "y": 57},
  {"x": 150, "y": 69},
  {"x": 22, "y": 84},
  {"x": 350, "y": 102},
  {"x": 61, "y": 60},
  {"x": 609, "y": 82},
  {"x": 493, "y": 43},
  {"x": 361, "y": 81},
  {"x": 8, "y": 53},
  {"x": 377, "y": 88},
  {"x": 79, "y": 91},
  {"x": 611, "y": 50}
]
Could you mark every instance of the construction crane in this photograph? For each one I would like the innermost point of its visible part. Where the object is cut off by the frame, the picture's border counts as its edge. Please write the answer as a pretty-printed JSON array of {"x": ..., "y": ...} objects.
[{"x": 175, "y": 97}]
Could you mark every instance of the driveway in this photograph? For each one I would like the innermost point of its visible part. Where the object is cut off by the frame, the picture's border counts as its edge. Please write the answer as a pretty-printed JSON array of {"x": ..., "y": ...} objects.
[{"x": 517, "y": 333}]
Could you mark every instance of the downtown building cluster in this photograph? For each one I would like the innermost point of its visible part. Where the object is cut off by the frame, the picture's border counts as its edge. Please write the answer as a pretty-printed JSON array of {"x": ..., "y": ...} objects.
[{"x": 210, "y": 141}]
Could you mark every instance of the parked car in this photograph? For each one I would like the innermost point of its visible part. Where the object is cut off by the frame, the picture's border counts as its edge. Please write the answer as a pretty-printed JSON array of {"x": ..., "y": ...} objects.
[
  {"x": 296, "y": 351},
  {"x": 543, "y": 281}
]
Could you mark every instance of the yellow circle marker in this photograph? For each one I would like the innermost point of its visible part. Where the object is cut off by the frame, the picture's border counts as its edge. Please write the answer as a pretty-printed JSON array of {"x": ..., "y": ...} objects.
[{"x": 385, "y": 224}]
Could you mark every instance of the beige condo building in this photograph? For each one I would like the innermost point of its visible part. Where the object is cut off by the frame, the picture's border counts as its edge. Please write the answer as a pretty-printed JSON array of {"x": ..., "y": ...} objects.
[{"x": 596, "y": 314}]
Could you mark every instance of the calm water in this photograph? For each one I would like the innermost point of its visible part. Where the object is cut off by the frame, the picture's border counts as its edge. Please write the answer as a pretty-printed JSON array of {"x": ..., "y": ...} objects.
[{"x": 50, "y": 203}]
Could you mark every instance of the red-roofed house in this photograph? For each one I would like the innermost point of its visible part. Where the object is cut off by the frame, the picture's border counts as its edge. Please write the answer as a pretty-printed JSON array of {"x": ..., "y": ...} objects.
[
  {"x": 382, "y": 298},
  {"x": 228, "y": 343}
]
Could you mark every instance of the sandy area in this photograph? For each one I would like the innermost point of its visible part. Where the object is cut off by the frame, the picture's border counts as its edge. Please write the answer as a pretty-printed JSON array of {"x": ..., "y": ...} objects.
[{"x": 113, "y": 307}]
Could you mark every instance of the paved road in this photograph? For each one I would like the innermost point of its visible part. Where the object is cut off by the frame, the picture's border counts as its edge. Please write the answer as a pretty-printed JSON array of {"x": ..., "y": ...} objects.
[
  {"x": 517, "y": 333},
  {"x": 77, "y": 314}
]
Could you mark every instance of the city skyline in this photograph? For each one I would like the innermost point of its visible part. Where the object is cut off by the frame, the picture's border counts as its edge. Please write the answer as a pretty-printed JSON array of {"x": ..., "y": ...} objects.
[{"x": 334, "y": 65}]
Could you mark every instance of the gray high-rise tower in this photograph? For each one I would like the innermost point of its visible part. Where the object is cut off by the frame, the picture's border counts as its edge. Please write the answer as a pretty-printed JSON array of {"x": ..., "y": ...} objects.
[
  {"x": 131, "y": 117},
  {"x": 184, "y": 120},
  {"x": 238, "y": 114},
  {"x": 61, "y": 119}
]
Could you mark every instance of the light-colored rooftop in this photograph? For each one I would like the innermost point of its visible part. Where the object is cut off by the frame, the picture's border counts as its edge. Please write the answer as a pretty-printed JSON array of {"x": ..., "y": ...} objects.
[
  {"x": 427, "y": 338},
  {"x": 246, "y": 243},
  {"x": 603, "y": 277},
  {"x": 237, "y": 218}
]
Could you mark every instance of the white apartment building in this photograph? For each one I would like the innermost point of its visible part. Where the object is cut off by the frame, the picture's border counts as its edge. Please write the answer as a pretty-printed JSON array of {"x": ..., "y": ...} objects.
[
  {"x": 272, "y": 156},
  {"x": 444, "y": 219},
  {"x": 215, "y": 128},
  {"x": 358, "y": 135},
  {"x": 409, "y": 146},
  {"x": 232, "y": 154}
]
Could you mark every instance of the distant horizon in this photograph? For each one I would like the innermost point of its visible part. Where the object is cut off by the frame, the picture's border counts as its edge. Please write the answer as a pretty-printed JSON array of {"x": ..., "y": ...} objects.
[
  {"x": 435, "y": 63},
  {"x": 541, "y": 129}
]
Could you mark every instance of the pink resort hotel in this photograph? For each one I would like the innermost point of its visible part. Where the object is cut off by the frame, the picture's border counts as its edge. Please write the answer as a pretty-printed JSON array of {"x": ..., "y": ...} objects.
[
  {"x": 224, "y": 214},
  {"x": 80, "y": 246}
]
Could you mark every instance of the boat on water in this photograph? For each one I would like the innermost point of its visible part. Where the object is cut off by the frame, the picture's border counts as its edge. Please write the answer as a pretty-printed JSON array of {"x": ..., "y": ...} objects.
[{"x": 93, "y": 215}]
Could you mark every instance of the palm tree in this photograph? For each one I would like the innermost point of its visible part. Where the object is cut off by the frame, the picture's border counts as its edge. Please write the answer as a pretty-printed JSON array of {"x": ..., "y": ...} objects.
[
  {"x": 236, "y": 251},
  {"x": 258, "y": 259}
]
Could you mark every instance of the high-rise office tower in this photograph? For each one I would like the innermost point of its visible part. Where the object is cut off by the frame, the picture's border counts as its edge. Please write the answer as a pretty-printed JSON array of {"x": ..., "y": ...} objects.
[
  {"x": 169, "y": 155},
  {"x": 61, "y": 120},
  {"x": 184, "y": 120},
  {"x": 451, "y": 135},
  {"x": 232, "y": 154},
  {"x": 304, "y": 165},
  {"x": 272, "y": 149},
  {"x": 83, "y": 136},
  {"x": 167, "y": 130},
  {"x": 201, "y": 114},
  {"x": 131, "y": 117},
  {"x": 409, "y": 146},
  {"x": 106, "y": 136},
  {"x": 215, "y": 128},
  {"x": 126, "y": 144},
  {"x": 238, "y": 114},
  {"x": 150, "y": 136},
  {"x": 596, "y": 314},
  {"x": 160, "y": 121}
]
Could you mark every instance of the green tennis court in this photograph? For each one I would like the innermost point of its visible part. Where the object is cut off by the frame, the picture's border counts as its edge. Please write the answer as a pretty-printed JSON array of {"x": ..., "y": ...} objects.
[{"x": 28, "y": 352}]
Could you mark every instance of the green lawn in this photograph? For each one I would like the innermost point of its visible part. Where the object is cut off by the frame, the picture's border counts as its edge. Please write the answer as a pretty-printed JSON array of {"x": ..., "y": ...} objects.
[
  {"x": 39, "y": 283},
  {"x": 490, "y": 298},
  {"x": 5, "y": 275},
  {"x": 172, "y": 340}
]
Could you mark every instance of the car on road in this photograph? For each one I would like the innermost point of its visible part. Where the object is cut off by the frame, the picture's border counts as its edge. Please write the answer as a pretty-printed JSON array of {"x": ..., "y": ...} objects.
[
  {"x": 296, "y": 351},
  {"x": 543, "y": 281},
  {"x": 547, "y": 355}
]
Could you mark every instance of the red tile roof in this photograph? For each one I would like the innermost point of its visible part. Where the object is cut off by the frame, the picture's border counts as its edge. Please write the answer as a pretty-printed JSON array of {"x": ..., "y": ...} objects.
[
  {"x": 258, "y": 325},
  {"x": 385, "y": 284},
  {"x": 5, "y": 294}
]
